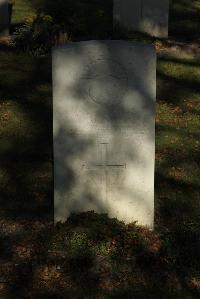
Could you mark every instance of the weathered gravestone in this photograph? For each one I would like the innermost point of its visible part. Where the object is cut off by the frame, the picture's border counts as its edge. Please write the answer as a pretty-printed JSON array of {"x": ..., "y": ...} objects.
[
  {"x": 149, "y": 16},
  {"x": 104, "y": 129},
  {"x": 4, "y": 18}
]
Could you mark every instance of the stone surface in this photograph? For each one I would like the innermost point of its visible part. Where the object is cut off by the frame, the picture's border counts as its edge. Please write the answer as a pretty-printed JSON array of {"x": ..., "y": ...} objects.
[
  {"x": 104, "y": 129},
  {"x": 4, "y": 18},
  {"x": 149, "y": 16}
]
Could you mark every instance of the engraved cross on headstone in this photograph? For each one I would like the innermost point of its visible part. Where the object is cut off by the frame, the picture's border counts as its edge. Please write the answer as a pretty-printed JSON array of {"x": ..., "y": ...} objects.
[{"x": 105, "y": 166}]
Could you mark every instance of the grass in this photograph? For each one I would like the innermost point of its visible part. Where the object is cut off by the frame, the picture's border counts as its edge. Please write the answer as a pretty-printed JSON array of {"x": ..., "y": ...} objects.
[
  {"x": 184, "y": 19},
  {"x": 178, "y": 125},
  {"x": 92, "y": 256},
  {"x": 21, "y": 9},
  {"x": 26, "y": 128}
]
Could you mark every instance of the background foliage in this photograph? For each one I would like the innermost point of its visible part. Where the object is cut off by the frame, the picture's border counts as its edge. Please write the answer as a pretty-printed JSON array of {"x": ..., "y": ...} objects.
[{"x": 80, "y": 17}]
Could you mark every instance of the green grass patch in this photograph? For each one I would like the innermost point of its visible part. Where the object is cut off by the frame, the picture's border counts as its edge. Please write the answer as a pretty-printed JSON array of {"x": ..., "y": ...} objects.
[
  {"x": 177, "y": 140},
  {"x": 22, "y": 9}
]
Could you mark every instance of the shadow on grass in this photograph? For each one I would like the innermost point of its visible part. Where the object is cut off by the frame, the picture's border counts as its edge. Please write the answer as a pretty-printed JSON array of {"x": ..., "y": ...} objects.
[
  {"x": 84, "y": 273},
  {"x": 26, "y": 143},
  {"x": 177, "y": 205},
  {"x": 184, "y": 20},
  {"x": 179, "y": 61},
  {"x": 182, "y": 85},
  {"x": 171, "y": 79}
]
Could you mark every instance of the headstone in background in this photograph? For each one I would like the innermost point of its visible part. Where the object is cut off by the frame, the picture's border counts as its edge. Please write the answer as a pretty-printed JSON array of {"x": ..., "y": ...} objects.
[
  {"x": 127, "y": 14},
  {"x": 148, "y": 16},
  {"x": 4, "y": 18},
  {"x": 104, "y": 129}
]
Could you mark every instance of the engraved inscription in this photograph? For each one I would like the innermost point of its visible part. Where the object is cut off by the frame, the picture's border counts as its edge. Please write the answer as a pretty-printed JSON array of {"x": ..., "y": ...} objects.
[
  {"x": 107, "y": 170},
  {"x": 105, "y": 81}
]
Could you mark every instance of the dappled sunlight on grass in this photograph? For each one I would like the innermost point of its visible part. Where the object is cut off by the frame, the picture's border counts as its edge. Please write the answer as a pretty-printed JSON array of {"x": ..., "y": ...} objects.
[
  {"x": 14, "y": 121},
  {"x": 179, "y": 71},
  {"x": 21, "y": 9},
  {"x": 92, "y": 255},
  {"x": 177, "y": 141}
]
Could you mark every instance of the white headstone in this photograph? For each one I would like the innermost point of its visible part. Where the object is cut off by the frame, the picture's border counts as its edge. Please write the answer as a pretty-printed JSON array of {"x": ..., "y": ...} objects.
[
  {"x": 149, "y": 16},
  {"x": 4, "y": 18},
  {"x": 104, "y": 129}
]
